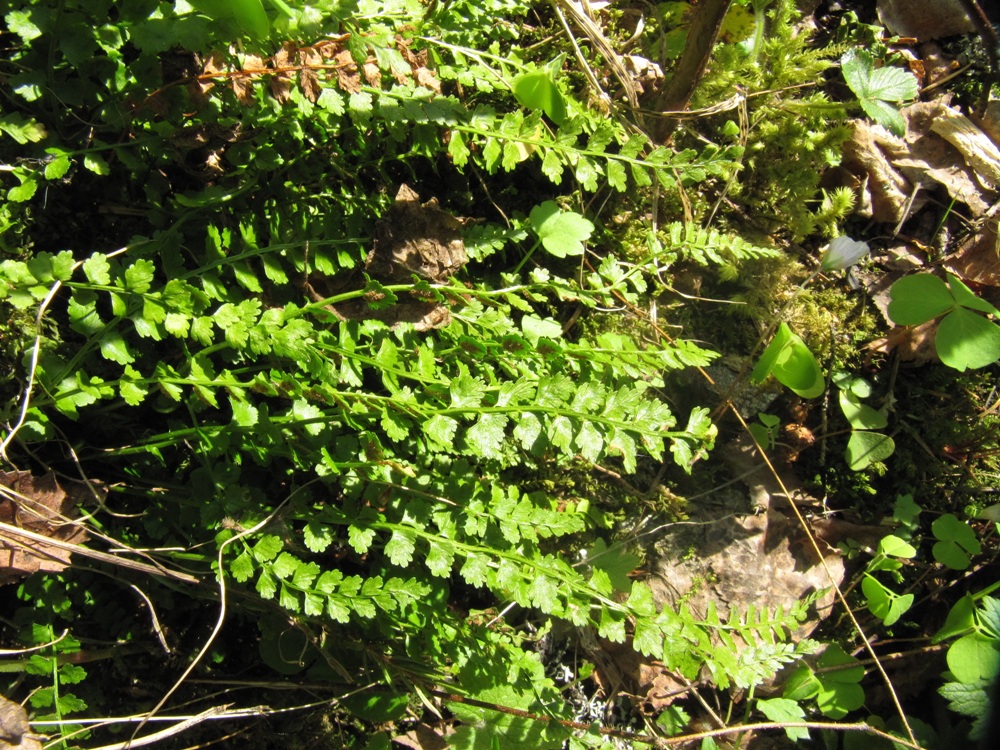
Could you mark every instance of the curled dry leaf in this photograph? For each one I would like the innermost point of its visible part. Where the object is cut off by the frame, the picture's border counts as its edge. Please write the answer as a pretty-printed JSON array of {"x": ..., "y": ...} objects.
[
  {"x": 867, "y": 155},
  {"x": 39, "y": 505},
  {"x": 15, "y": 731},
  {"x": 924, "y": 19},
  {"x": 980, "y": 153}
]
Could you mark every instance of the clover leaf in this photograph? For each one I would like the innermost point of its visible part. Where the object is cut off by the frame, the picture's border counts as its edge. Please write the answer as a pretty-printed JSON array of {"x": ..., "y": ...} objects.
[{"x": 964, "y": 339}]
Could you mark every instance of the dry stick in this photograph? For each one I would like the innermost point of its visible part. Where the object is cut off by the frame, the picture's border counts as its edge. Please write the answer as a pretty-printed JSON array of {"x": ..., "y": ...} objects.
[
  {"x": 676, "y": 94},
  {"x": 41, "y": 542},
  {"x": 149, "y": 739},
  {"x": 668, "y": 741}
]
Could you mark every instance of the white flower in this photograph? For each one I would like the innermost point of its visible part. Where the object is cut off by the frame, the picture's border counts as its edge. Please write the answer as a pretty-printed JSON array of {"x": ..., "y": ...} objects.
[{"x": 842, "y": 253}]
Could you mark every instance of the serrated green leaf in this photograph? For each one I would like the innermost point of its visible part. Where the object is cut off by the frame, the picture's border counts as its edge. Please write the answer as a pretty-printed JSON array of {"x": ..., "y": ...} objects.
[
  {"x": 267, "y": 586},
  {"x": 285, "y": 565},
  {"x": 114, "y": 348},
  {"x": 486, "y": 436},
  {"x": 400, "y": 547},
  {"x": 96, "y": 163},
  {"x": 244, "y": 414},
  {"x": 23, "y": 192},
  {"x": 467, "y": 392},
  {"x": 20, "y": 129},
  {"x": 440, "y": 559},
  {"x": 57, "y": 168},
  {"x": 98, "y": 269},
  {"x": 317, "y": 536},
  {"x": 360, "y": 538},
  {"x": 441, "y": 430},
  {"x": 968, "y": 699},
  {"x": 783, "y": 710},
  {"x": 241, "y": 568},
  {"x": 139, "y": 276},
  {"x": 267, "y": 548}
]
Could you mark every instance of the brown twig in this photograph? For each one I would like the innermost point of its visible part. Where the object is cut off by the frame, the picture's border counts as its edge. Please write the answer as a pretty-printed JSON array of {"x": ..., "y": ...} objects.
[{"x": 676, "y": 94}]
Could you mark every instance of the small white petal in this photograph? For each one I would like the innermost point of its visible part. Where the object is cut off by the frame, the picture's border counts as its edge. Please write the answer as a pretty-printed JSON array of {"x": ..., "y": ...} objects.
[{"x": 843, "y": 252}]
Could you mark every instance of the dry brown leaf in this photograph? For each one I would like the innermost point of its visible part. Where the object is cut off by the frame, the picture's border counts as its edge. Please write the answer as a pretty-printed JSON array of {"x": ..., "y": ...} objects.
[
  {"x": 373, "y": 75},
  {"x": 15, "y": 731},
  {"x": 980, "y": 153},
  {"x": 212, "y": 67},
  {"x": 978, "y": 259},
  {"x": 310, "y": 60},
  {"x": 39, "y": 505},
  {"x": 243, "y": 84},
  {"x": 924, "y": 19},
  {"x": 426, "y": 78},
  {"x": 911, "y": 343},
  {"x": 348, "y": 77},
  {"x": 867, "y": 155},
  {"x": 422, "y": 738},
  {"x": 733, "y": 557}
]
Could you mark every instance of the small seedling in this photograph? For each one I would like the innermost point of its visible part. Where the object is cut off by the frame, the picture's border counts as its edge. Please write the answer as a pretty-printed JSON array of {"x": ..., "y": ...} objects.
[
  {"x": 765, "y": 430},
  {"x": 864, "y": 446},
  {"x": 965, "y": 339},
  {"x": 956, "y": 542},
  {"x": 883, "y": 602}
]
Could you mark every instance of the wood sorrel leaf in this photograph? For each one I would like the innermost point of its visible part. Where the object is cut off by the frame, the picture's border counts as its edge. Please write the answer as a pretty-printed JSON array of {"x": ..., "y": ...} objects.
[
  {"x": 966, "y": 340},
  {"x": 919, "y": 298},
  {"x": 967, "y": 298},
  {"x": 865, "y": 447}
]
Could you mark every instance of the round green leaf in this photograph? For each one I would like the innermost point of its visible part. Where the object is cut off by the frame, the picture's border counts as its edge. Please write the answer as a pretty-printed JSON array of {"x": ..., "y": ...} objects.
[
  {"x": 865, "y": 447},
  {"x": 861, "y": 416},
  {"x": 878, "y": 596},
  {"x": 974, "y": 657},
  {"x": 919, "y": 298},
  {"x": 376, "y": 707},
  {"x": 562, "y": 232},
  {"x": 967, "y": 340},
  {"x": 537, "y": 90}
]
